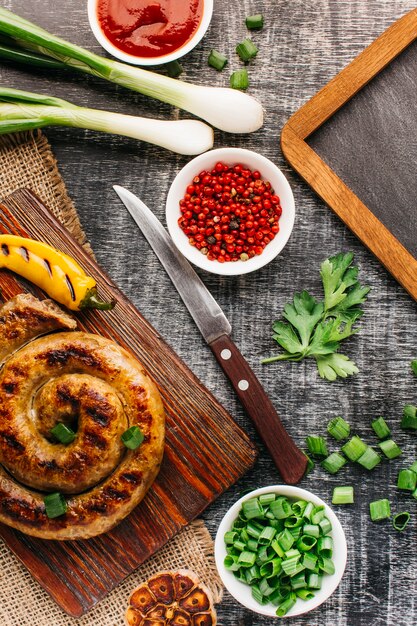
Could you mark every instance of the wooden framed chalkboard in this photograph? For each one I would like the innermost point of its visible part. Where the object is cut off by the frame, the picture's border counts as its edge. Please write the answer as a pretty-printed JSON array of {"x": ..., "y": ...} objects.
[{"x": 355, "y": 144}]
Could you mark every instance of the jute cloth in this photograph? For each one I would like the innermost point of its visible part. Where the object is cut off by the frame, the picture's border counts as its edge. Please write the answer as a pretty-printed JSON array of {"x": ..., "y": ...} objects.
[{"x": 26, "y": 160}]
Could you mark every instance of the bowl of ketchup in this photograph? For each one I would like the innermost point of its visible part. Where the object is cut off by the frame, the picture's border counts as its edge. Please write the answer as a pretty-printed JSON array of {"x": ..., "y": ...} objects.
[{"x": 149, "y": 32}]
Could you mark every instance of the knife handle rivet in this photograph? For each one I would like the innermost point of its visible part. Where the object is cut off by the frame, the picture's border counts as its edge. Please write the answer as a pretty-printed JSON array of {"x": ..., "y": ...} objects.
[
  {"x": 225, "y": 354},
  {"x": 243, "y": 385}
]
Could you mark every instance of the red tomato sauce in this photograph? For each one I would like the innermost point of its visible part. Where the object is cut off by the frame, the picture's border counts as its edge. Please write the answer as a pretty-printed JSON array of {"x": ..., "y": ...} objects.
[{"x": 149, "y": 28}]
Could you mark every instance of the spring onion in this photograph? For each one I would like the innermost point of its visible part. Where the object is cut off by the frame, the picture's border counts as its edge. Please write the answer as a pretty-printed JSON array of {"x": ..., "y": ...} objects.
[
  {"x": 407, "y": 480},
  {"x": 254, "y": 22},
  {"x": 225, "y": 109},
  {"x": 354, "y": 448},
  {"x": 174, "y": 69},
  {"x": 217, "y": 60},
  {"x": 333, "y": 463},
  {"x": 343, "y": 495},
  {"x": 317, "y": 445},
  {"x": 239, "y": 79},
  {"x": 310, "y": 465},
  {"x": 400, "y": 520},
  {"x": 132, "y": 437},
  {"x": 21, "y": 110},
  {"x": 414, "y": 366},
  {"x": 63, "y": 433},
  {"x": 413, "y": 467},
  {"x": 55, "y": 505},
  {"x": 369, "y": 459},
  {"x": 409, "y": 419},
  {"x": 286, "y": 562},
  {"x": 390, "y": 449},
  {"x": 381, "y": 428},
  {"x": 338, "y": 428},
  {"x": 247, "y": 50},
  {"x": 379, "y": 510}
]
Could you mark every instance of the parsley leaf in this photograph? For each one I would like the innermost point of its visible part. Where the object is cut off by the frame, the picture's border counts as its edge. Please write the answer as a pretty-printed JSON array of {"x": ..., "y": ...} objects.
[{"x": 315, "y": 329}]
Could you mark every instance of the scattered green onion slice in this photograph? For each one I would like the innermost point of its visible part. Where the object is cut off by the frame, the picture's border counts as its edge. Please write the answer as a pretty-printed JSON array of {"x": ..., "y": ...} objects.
[
  {"x": 63, "y": 433},
  {"x": 55, "y": 505},
  {"x": 343, "y": 495},
  {"x": 132, "y": 437},
  {"x": 415, "y": 494},
  {"x": 174, "y": 69},
  {"x": 217, "y": 60},
  {"x": 414, "y": 366},
  {"x": 381, "y": 428},
  {"x": 317, "y": 445},
  {"x": 409, "y": 419},
  {"x": 413, "y": 467},
  {"x": 400, "y": 520},
  {"x": 254, "y": 22},
  {"x": 338, "y": 428},
  {"x": 379, "y": 509},
  {"x": 390, "y": 449},
  {"x": 354, "y": 448},
  {"x": 333, "y": 463},
  {"x": 239, "y": 79},
  {"x": 310, "y": 465},
  {"x": 369, "y": 459},
  {"x": 247, "y": 50},
  {"x": 407, "y": 480}
]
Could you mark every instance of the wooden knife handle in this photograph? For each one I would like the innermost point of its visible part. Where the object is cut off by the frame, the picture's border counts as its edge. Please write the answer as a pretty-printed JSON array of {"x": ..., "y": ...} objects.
[{"x": 288, "y": 458}]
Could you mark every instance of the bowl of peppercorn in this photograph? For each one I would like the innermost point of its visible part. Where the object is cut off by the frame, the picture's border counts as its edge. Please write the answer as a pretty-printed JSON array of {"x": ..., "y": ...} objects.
[{"x": 230, "y": 211}]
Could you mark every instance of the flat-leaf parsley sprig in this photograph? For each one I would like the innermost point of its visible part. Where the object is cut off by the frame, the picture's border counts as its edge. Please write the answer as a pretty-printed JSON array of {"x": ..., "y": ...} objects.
[{"x": 315, "y": 328}]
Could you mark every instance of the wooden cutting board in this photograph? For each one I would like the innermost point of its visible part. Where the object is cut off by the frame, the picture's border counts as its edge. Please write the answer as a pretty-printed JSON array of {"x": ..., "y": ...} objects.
[{"x": 206, "y": 452}]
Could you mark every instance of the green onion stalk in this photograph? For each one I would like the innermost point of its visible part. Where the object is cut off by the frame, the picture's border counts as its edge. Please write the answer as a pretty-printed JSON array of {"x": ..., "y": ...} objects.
[
  {"x": 227, "y": 109},
  {"x": 22, "y": 110}
]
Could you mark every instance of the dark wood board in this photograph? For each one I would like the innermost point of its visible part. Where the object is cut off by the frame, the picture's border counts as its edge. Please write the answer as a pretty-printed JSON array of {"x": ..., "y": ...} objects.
[
  {"x": 206, "y": 452},
  {"x": 354, "y": 143}
]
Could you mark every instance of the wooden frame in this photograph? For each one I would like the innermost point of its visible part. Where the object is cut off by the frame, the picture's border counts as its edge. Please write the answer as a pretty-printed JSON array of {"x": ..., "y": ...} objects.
[{"x": 356, "y": 215}]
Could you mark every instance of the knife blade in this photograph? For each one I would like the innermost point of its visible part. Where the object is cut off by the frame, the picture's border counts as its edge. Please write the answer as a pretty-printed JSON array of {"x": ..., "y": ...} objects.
[{"x": 216, "y": 330}]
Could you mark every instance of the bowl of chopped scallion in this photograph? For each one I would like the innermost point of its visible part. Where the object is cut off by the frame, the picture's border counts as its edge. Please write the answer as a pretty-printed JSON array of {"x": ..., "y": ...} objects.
[{"x": 280, "y": 551}]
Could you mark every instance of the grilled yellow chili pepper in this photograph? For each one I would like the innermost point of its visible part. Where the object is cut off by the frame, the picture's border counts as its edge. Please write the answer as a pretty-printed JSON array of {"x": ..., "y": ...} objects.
[{"x": 53, "y": 271}]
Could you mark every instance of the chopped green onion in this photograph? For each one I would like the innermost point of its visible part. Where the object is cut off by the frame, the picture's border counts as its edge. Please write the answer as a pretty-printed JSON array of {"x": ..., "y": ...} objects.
[
  {"x": 281, "y": 508},
  {"x": 254, "y": 22},
  {"x": 381, "y": 429},
  {"x": 265, "y": 553},
  {"x": 285, "y": 540},
  {"x": 299, "y": 581},
  {"x": 271, "y": 568},
  {"x": 252, "y": 545},
  {"x": 311, "y": 529},
  {"x": 326, "y": 565},
  {"x": 217, "y": 60},
  {"x": 239, "y": 545},
  {"x": 333, "y": 463},
  {"x": 63, "y": 433},
  {"x": 369, "y": 459},
  {"x": 310, "y": 465},
  {"x": 231, "y": 112},
  {"x": 247, "y": 559},
  {"x": 292, "y": 566},
  {"x": 254, "y": 530},
  {"x": 267, "y": 535},
  {"x": 174, "y": 69},
  {"x": 414, "y": 366},
  {"x": 379, "y": 509},
  {"x": 342, "y": 495},
  {"x": 231, "y": 563},
  {"x": 318, "y": 514},
  {"x": 265, "y": 587},
  {"x": 252, "y": 508},
  {"x": 354, "y": 448},
  {"x": 325, "y": 526},
  {"x": 293, "y": 521},
  {"x": 257, "y": 595},
  {"x": 247, "y": 50},
  {"x": 390, "y": 449},
  {"x": 277, "y": 548},
  {"x": 305, "y": 594},
  {"x": 413, "y": 467},
  {"x": 298, "y": 507},
  {"x": 314, "y": 581},
  {"x": 309, "y": 560},
  {"x": 239, "y": 80},
  {"x": 267, "y": 498},
  {"x": 409, "y": 419},
  {"x": 308, "y": 511},
  {"x": 338, "y": 428},
  {"x": 317, "y": 445},
  {"x": 55, "y": 505},
  {"x": 401, "y": 520},
  {"x": 252, "y": 574},
  {"x": 132, "y": 437},
  {"x": 230, "y": 537},
  {"x": 306, "y": 542},
  {"x": 285, "y": 606},
  {"x": 407, "y": 480},
  {"x": 325, "y": 547}
]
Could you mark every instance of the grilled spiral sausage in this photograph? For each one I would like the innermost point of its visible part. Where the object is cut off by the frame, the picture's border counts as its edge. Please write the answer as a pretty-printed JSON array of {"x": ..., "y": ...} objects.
[{"x": 93, "y": 385}]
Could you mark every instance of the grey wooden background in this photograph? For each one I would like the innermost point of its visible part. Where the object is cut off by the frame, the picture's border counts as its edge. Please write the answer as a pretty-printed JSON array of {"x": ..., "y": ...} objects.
[{"x": 303, "y": 45}]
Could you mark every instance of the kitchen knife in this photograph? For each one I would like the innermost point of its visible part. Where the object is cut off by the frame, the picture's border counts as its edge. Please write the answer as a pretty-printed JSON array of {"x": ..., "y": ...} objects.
[{"x": 215, "y": 328}]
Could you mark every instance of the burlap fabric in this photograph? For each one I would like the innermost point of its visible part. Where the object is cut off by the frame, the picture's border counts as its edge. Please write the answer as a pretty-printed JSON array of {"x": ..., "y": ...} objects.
[{"x": 26, "y": 160}]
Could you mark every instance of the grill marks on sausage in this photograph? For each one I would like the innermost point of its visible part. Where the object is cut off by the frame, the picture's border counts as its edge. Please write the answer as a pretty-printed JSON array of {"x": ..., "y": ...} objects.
[
  {"x": 71, "y": 352},
  {"x": 11, "y": 441},
  {"x": 95, "y": 440},
  {"x": 9, "y": 386}
]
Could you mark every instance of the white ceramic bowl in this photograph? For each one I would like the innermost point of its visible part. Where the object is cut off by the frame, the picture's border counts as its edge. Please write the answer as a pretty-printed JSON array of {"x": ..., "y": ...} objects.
[
  {"x": 242, "y": 593},
  {"x": 136, "y": 60},
  {"x": 231, "y": 156}
]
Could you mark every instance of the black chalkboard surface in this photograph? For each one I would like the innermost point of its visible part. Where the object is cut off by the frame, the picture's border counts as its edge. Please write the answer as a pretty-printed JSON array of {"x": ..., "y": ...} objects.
[
  {"x": 371, "y": 144},
  {"x": 355, "y": 143}
]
